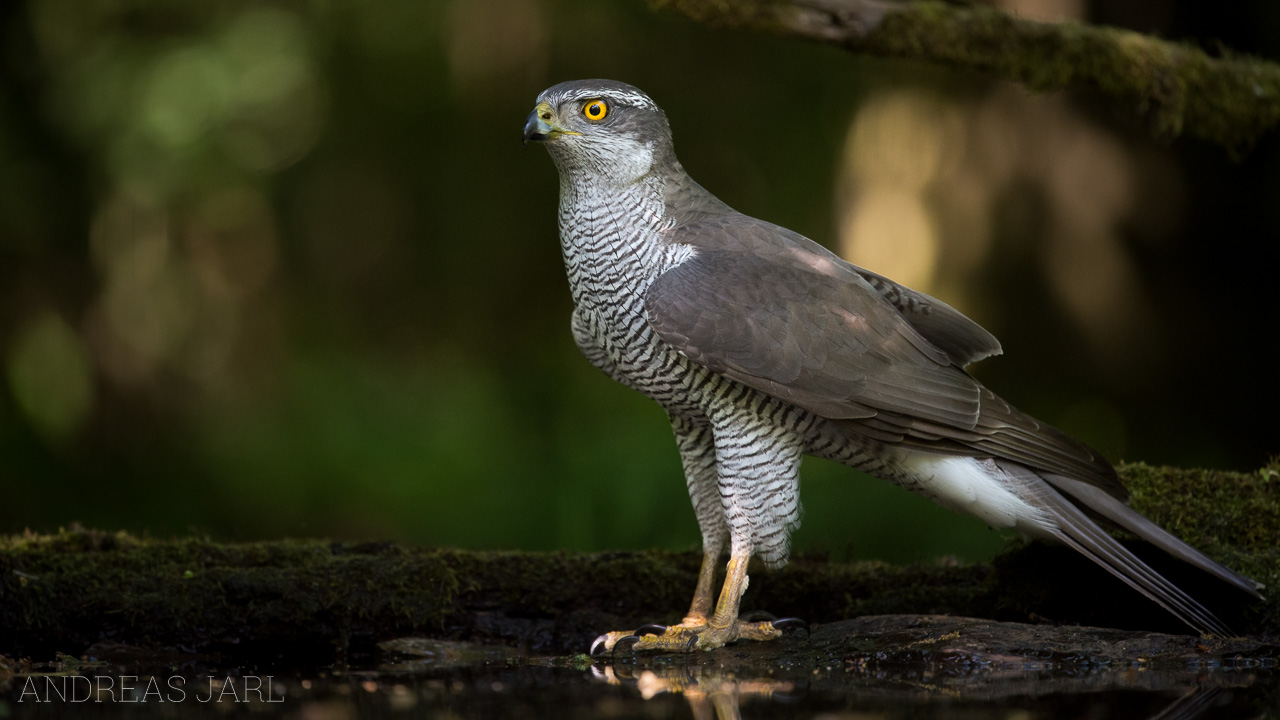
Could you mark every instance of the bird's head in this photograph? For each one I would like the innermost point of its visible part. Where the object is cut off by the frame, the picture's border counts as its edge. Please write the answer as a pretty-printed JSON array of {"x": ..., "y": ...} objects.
[{"x": 606, "y": 128}]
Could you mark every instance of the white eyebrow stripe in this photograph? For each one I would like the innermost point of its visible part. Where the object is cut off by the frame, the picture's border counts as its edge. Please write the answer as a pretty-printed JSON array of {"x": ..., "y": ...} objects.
[{"x": 626, "y": 98}]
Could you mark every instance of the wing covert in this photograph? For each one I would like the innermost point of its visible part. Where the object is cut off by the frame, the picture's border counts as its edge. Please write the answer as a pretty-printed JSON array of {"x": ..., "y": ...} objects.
[{"x": 826, "y": 342}]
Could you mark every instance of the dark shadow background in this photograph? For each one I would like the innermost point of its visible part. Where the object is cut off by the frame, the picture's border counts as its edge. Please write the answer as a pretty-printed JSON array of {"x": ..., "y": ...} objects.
[{"x": 278, "y": 269}]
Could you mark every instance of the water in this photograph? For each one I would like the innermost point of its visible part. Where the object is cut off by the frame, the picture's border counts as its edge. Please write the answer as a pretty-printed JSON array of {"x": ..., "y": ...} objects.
[{"x": 830, "y": 674}]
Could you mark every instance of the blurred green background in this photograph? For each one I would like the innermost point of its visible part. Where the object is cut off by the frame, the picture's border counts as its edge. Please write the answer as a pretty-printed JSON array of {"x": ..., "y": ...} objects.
[{"x": 282, "y": 268}]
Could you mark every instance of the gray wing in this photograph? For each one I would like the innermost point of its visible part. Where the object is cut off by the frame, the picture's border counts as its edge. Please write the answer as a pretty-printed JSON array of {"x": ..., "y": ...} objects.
[
  {"x": 961, "y": 338},
  {"x": 710, "y": 225},
  {"x": 819, "y": 342},
  {"x": 775, "y": 311}
]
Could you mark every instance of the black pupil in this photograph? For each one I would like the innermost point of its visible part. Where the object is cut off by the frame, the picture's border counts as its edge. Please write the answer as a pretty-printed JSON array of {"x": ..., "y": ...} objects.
[{"x": 595, "y": 109}]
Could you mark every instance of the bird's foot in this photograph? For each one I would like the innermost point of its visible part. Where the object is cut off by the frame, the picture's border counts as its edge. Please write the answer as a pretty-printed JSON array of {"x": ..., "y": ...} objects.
[{"x": 689, "y": 636}]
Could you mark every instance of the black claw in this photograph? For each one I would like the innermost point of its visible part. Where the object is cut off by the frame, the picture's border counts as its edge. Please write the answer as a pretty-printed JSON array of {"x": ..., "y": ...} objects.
[
  {"x": 651, "y": 629},
  {"x": 625, "y": 642},
  {"x": 790, "y": 624},
  {"x": 597, "y": 645}
]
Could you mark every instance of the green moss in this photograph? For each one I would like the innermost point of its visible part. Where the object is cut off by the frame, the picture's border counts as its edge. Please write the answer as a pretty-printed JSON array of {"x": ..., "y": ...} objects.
[
  {"x": 66, "y": 591},
  {"x": 1232, "y": 517},
  {"x": 1175, "y": 88},
  {"x": 819, "y": 590},
  {"x": 1241, "y": 510},
  {"x": 69, "y": 590},
  {"x": 725, "y": 13},
  {"x": 81, "y": 586}
]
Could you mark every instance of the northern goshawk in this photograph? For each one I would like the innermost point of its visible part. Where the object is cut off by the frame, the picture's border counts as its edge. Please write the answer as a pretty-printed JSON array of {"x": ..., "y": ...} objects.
[{"x": 763, "y": 346}]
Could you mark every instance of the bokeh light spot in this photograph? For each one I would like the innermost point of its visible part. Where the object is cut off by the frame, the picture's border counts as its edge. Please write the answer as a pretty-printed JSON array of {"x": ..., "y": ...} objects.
[
  {"x": 186, "y": 95},
  {"x": 890, "y": 232},
  {"x": 50, "y": 378},
  {"x": 898, "y": 147},
  {"x": 494, "y": 44},
  {"x": 232, "y": 243}
]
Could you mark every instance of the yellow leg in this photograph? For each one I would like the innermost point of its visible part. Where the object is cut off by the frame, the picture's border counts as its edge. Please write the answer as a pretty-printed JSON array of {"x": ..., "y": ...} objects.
[
  {"x": 700, "y": 609},
  {"x": 725, "y": 627},
  {"x": 735, "y": 584}
]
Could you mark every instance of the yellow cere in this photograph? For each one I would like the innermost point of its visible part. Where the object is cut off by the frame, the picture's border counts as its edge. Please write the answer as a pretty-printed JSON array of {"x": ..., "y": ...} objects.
[{"x": 595, "y": 110}]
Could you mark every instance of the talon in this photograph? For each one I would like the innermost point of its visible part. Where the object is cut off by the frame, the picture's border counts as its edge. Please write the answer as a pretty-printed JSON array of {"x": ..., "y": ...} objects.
[
  {"x": 651, "y": 629},
  {"x": 601, "y": 643},
  {"x": 625, "y": 642},
  {"x": 605, "y": 642},
  {"x": 790, "y": 624}
]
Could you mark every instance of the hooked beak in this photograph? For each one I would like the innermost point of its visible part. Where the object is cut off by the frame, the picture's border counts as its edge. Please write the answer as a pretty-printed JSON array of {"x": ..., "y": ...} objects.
[{"x": 538, "y": 126}]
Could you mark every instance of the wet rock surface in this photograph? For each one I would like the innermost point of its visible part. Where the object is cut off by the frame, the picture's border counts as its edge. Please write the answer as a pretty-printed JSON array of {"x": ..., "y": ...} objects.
[
  {"x": 887, "y": 666},
  {"x": 973, "y": 655},
  {"x": 897, "y": 665}
]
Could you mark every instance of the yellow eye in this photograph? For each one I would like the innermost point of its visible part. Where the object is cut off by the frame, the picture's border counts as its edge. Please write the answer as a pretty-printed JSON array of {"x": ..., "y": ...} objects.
[{"x": 595, "y": 110}]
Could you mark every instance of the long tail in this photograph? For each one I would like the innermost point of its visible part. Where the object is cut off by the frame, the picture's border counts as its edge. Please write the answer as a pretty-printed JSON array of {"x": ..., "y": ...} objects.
[{"x": 1058, "y": 496}]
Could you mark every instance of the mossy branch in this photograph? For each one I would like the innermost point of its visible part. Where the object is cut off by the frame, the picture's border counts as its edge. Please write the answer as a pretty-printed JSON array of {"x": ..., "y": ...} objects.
[
  {"x": 65, "y": 592},
  {"x": 1178, "y": 89}
]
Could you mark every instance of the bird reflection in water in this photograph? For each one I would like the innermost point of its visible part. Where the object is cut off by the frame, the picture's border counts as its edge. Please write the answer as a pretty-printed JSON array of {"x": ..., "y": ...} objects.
[
  {"x": 711, "y": 693},
  {"x": 718, "y": 693}
]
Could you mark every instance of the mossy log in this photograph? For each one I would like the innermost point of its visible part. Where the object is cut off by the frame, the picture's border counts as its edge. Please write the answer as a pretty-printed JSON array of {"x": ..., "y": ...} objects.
[
  {"x": 300, "y": 598},
  {"x": 1175, "y": 88}
]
